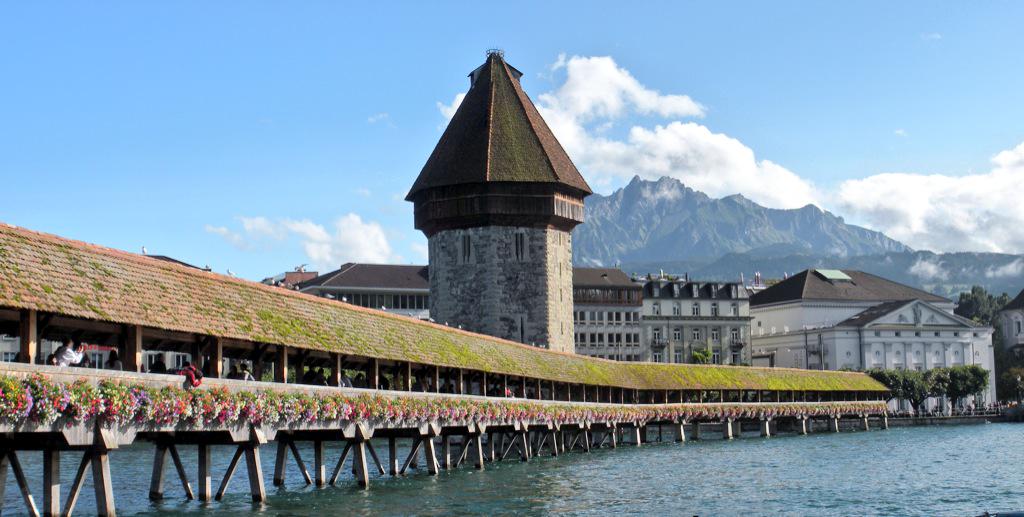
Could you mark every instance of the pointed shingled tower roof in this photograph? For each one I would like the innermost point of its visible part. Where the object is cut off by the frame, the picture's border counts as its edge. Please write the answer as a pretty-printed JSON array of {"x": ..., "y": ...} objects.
[{"x": 497, "y": 136}]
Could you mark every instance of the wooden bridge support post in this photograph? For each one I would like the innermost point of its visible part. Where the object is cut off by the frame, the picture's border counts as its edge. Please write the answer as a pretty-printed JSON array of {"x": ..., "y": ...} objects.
[
  {"x": 51, "y": 482},
  {"x": 216, "y": 368},
  {"x": 28, "y": 331},
  {"x": 131, "y": 356},
  {"x": 280, "y": 461},
  {"x": 614, "y": 436},
  {"x": 205, "y": 480},
  {"x": 281, "y": 365},
  {"x": 766, "y": 430},
  {"x": 479, "y": 447},
  {"x": 885, "y": 421},
  {"x": 255, "y": 468},
  {"x": 835, "y": 424},
  {"x": 803, "y": 424},
  {"x": 319, "y": 467},
  {"x": 446, "y": 452},
  {"x": 864, "y": 421},
  {"x": 682, "y": 431},
  {"x": 524, "y": 445},
  {"x": 430, "y": 455},
  {"x": 359, "y": 461},
  {"x": 636, "y": 435},
  {"x": 727, "y": 429},
  {"x": 392, "y": 456}
]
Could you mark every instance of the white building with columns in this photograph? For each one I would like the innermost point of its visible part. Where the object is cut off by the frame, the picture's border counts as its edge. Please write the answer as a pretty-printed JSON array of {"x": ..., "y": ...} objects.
[{"x": 831, "y": 320}]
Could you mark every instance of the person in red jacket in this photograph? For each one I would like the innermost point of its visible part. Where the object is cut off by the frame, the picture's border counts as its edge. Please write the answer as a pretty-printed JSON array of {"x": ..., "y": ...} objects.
[{"x": 193, "y": 375}]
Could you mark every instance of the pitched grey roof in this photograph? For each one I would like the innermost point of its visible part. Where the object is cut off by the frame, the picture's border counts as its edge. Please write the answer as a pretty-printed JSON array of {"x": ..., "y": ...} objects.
[
  {"x": 809, "y": 285},
  {"x": 1016, "y": 303},
  {"x": 386, "y": 276},
  {"x": 685, "y": 289},
  {"x": 600, "y": 277}
]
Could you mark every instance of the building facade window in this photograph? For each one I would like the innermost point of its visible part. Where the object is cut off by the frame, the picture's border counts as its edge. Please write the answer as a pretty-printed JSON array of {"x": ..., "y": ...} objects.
[
  {"x": 714, "y": 309},
  {"x": 714, "y": 334},
  {"x": 695, "y": 310},
  {"x": 520, "y": 246},
  {"x": 656, "y": 334},
  {"x": 656, "y": 309},
  {"x": 695, "y": 334},
  {"x": 734, "y": 334},
  {"x": 677, "y": 334},
  {"x": 678, "y": 356},
  {"x": 657, "y": 357},
  {"x": 735, "y": 309},
  {"x": 676, "y": 310}
]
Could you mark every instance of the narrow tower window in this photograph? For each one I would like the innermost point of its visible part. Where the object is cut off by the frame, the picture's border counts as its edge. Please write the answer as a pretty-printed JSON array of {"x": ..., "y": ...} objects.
[
  {"x": 467, "y": 249},
  {"x": 520, "y": 247}
]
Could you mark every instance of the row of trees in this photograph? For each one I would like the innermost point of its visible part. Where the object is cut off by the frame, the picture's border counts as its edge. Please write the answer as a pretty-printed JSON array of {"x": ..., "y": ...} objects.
[{"x": 954, "y": 382}]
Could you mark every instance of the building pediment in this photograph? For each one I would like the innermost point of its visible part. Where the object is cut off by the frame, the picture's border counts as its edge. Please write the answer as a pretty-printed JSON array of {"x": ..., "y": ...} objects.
[{"x": 911, "y": 313}]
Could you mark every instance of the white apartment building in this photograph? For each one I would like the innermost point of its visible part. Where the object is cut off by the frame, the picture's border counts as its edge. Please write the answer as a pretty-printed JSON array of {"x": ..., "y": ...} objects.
[{"x": 680, "y": 316}]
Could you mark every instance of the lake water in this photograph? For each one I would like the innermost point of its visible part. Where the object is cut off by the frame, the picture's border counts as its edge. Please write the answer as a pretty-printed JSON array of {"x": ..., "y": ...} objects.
[{"x": 956, "y": 470}]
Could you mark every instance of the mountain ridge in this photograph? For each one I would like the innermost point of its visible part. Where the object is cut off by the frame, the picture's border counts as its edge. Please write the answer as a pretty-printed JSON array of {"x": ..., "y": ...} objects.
[{"x": 648, "y": 221}]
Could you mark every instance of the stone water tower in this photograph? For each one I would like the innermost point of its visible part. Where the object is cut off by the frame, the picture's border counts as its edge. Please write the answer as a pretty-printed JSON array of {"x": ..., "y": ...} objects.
[{"x": 497, "y": 200}]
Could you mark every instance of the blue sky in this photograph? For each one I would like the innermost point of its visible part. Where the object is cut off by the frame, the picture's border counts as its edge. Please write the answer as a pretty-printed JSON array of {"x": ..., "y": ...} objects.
[{"x": 256, "y": 137}]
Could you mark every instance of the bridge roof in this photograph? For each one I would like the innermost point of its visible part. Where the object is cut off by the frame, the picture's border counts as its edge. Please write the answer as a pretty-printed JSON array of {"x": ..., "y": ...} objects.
[{"x": 71, "y": 278}]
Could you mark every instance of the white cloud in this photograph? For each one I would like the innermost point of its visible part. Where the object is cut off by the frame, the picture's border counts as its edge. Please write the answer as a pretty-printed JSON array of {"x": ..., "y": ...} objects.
[
  {"x": 974, "y": 212},
  {"x": 448, "y": 110},
  {"x": 1010, "y": 269},
  {"x": 596, "y": 87},
  {"x": 900, "y": 132},
  {"x": 928, "y": 270},
  {"x": 558, "y": 64},
  {"x": 931, "y": 36},
  {"x": 233, "y": 238},
  {"x": 261, "y": 227},
  {"x": 349, "y": 239},
  {"x": 377, "y": 117},
  {"x": 363, "y": 192}
]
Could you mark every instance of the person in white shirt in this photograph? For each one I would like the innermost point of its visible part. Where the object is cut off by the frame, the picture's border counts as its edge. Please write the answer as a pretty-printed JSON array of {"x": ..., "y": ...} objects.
[{"x": 70, "y": 354}]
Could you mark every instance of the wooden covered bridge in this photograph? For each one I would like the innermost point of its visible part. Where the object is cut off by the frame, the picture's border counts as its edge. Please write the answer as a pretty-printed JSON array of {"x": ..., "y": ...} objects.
[{"x": 427, "y": 384}]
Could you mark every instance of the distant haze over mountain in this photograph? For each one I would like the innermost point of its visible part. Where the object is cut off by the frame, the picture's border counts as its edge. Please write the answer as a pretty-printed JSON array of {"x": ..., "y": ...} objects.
[
  {"x": 649, "y": 221},
  {"x": 652, "y": 226}
]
